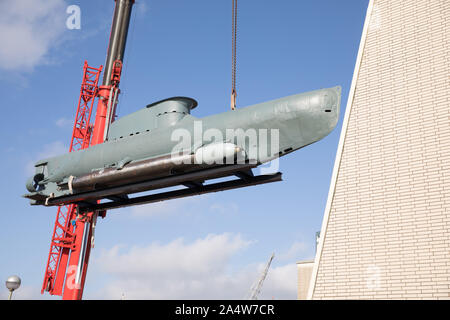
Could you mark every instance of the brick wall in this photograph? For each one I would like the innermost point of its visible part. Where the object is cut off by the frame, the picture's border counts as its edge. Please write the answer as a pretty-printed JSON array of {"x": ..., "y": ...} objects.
[
  {"x": 386, "y": 227},
  {"x": 304, "y": 271}
]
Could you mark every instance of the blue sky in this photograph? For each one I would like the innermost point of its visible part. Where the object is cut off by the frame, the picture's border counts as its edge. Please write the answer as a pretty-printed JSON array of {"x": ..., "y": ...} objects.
[{"x": 211, "y": 246}]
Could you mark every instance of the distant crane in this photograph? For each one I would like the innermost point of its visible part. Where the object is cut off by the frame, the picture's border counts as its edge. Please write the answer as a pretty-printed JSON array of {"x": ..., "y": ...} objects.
[{"x": 256, "y": 288}]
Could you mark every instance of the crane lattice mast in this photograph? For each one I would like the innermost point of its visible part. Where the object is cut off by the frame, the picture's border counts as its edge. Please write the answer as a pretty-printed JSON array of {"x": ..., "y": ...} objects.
[
  {"x": 73, "y": 234},
  {"x": 256, "y": 288}
]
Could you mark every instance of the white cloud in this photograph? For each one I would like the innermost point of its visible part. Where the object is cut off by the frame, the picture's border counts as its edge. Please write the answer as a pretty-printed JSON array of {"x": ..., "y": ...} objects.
[
  {"x": 28, "y": 30},
  {"x": 55, "y": 148},
  {"x": 187, "y": 206},
  {"x": 166, "y": 208},
  {"x": 281, "y": 283},
  {"x": 224, "y": 208},
  {"x": 141, "y": 7},
  {"x": 64, "y": 123},
  {"x": 296, "y": 250},
  {"x": 23, "y": 293},
  {"x": 180, "y": 270}
]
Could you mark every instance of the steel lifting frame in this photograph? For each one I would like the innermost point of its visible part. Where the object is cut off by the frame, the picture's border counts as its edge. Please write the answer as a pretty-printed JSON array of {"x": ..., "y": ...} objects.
[{"x": 63, "y": 238}]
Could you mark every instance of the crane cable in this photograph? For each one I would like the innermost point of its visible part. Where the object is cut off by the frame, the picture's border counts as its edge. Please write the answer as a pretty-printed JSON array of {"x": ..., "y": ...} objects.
[{"x": 233, "y": 53}]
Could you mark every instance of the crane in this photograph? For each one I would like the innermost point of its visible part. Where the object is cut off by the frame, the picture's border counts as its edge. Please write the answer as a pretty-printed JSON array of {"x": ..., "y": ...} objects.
[
  {"x": 73, "y": 233},
  {"x": 256, "y": 288}
]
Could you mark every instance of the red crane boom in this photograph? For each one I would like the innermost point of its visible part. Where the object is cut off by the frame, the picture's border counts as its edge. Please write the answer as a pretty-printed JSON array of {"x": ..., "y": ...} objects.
[
  {"x": 63, "y": 237},
  {"x": 72, "y": 237}
]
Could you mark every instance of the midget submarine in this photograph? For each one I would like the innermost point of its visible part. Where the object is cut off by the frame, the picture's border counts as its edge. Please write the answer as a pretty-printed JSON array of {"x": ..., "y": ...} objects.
[{"x": 163, "y": 146}]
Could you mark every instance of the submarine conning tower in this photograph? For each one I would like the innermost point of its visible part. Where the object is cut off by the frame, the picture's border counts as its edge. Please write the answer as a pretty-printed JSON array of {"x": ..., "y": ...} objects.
[{"x": 164, "y": 113}]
